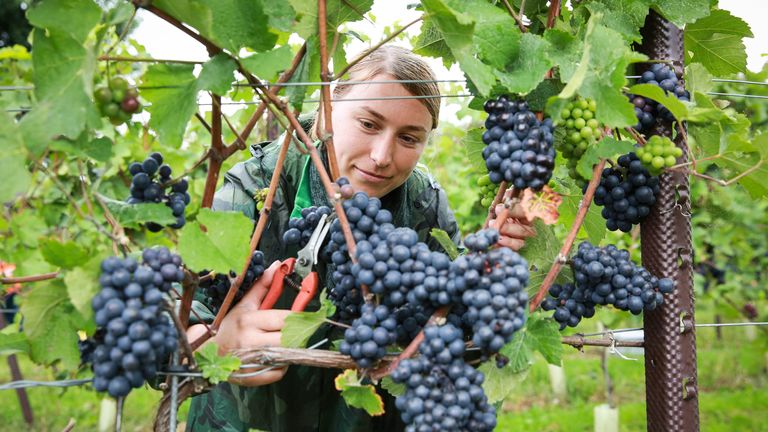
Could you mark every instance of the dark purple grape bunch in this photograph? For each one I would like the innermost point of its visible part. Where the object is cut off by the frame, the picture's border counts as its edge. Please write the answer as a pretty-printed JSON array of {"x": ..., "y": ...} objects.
[
  {"x": 403, "y": 270},
  {"x": 300, "y": 229},
  {"x": 627, "y": 191},
  {"x": 442, "y": 391},
  {"x": 605, "y": 276},
  {"x": 648, "y": 110},
  {"x": 492, "y": 286},
  {"x": 146, "y": 187},
  {"x": 216, "y": 286},
  {"x": 135, "y": 334},
  {"x": 519, "y": 148},
  {"x": 366, "y": 341},
  {"x": 368, "y": 222}
]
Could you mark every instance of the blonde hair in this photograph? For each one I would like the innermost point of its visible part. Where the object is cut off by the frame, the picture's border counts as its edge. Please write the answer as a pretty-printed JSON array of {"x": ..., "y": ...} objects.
[{"x": 401, "y": 64}]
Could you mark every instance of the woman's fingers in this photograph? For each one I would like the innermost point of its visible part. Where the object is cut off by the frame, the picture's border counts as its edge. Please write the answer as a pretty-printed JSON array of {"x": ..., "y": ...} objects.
[
  {"x": 512, "y": 243},
  {"x": 255, "y": 295},
  {"x": 264, "y": 378},
  {"x": 515, "y": 212},
  {"x": 262, "y": 321},
  {"x": 515, "y": 229}
]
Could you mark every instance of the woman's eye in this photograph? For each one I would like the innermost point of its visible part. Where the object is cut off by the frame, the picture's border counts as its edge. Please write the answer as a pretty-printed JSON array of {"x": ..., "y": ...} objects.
[
  {"x": 366, "y": 124},
  {"x": 409, "y": 139}
]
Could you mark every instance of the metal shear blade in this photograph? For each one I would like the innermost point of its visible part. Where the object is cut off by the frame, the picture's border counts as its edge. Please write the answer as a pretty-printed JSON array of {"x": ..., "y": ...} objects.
[{"x": 307, "y": 256}]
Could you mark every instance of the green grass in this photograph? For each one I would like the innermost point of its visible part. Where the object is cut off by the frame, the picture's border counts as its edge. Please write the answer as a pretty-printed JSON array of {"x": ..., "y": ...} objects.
[{"x": 731, "y": 372}]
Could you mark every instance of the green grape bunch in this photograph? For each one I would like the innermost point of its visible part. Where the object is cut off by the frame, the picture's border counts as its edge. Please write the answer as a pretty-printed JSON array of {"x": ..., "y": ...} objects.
[
  {"x": 581, "y": 130},
  {"x": 488, "y": 190},
  {"x": 659, "y": 153},
  {"x": 118, "y": 100}
]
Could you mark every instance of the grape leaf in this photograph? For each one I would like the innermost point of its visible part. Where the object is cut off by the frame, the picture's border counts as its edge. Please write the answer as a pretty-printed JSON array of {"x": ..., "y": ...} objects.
[
  {"x": 51, "y": 324},
  {"x": 359, "y": 395},
  {"x": 75, "y": 18},
  {"x": 715, "y": 41},
  {"x": 682, "y": 12},
  {"x": 430, "y": 43},
  {"x": 457, "y": 30},
  {"x": 300, "y": 326},
  {"x": 224, "y": 245},
  {"x": 698, "y": 79},
  {"x": 606, "y": 148},
  {"x": 528, "y": 65},
  {"x": 83, "y": 284},
  {"x": 99, "y": 149},
  {"x": 240, "y": 23},
  {"x": 132, "y": 215},
  {"x": 473, "y": 146},
  {"x": 517, "y": 352},
  {"x": 13, "y": 343},
  {"x": 544, "y": 337},
  {"x": 624, "y": 16},
  {"x": 542, "y": 205},
  {"x": 215, "y": 368},
  {"x": 12, "y": 160},
  {"x": 67, "y": 255},
  {"x": 601, "y": 75},
  {"x": 63, "y": 77},
  {"x": 500, "y": 382},
  {"x": 565, "y": 50},
  {"x": 337, "y": 12},
  {"x": 537, "y": 99},
  {"x": 673, "y": 104},
  {"x": 172, "y": 91},
  {"x": 119, "y": 14},
  {"x": 281, "y": 14},
  {"x": 217, "y": 74},
  {"x": 267, "y": 64},
  {"x": 393, "y": 388},
  {"x": 296, "y": 94},
  {"x": 540, "y": 252},
  {"x": 445, "y": 241}
]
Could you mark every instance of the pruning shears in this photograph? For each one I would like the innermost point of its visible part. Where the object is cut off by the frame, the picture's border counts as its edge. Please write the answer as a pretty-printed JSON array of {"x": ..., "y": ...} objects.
[{"x": 297, "y": 272}]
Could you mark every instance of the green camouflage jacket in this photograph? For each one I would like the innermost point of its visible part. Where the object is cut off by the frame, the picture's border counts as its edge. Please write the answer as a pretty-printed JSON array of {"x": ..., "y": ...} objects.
[{"x": 305, "y": 399}]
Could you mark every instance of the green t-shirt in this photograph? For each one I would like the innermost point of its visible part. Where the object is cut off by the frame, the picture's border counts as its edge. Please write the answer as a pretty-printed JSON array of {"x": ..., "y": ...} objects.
[{"x": 304, "y": 192}]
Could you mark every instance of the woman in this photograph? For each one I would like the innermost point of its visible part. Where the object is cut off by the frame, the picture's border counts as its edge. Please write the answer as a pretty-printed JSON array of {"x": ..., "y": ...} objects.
[{"x": 380, "y": 131}]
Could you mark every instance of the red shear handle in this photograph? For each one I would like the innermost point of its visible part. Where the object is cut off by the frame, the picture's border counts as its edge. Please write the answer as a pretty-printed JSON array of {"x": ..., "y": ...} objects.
[
  {"x": 276, "y": 289},
  {"x": 307, "y": 292}
]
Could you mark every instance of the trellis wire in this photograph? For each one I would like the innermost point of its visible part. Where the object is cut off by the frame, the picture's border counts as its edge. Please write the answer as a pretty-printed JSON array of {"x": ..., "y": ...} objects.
[{"x": 748, "y": 96}]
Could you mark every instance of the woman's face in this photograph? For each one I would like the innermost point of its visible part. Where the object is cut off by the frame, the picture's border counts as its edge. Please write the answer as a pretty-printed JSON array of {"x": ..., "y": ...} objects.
[{"x": 379, "y": 142}]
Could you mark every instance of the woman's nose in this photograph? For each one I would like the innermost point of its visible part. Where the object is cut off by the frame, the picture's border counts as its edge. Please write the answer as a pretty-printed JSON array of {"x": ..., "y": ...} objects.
[{"x": 381, "y": 150}]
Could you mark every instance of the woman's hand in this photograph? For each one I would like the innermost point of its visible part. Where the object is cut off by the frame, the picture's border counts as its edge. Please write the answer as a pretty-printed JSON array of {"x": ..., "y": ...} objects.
[
  {"x": 245, "y": 326},
  {"x": 516, "y": 229}
]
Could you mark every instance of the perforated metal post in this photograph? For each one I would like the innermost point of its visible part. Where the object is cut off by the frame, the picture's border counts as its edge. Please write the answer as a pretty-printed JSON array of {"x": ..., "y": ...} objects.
[{"x": 670, "y": 339}]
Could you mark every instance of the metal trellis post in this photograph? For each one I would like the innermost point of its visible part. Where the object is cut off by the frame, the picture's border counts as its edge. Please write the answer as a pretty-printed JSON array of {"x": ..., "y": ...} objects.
[{"x": 670, "y": 338}]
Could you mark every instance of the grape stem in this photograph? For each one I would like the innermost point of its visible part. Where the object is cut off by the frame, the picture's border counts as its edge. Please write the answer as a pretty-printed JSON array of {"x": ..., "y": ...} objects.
[
  {"x": 26, "y": 279},
  {"x": 338, "y": 324},
  {"x": 215, "y": 153},
  {"x": 639, "y": 138},
  {"x": 412, "y": 347},
  {"x": 181, "y": 330},
  {"x": 325, "y": 91},
  {"x": 496, "y": 200},
  {"x": 514, "y": 14},
  {"x": 565, "y": 250}
]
